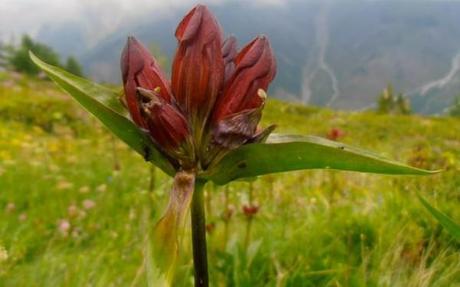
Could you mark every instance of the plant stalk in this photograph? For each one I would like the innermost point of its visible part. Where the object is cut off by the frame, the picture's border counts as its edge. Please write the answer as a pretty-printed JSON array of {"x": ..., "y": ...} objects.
[
  {"x": 247, "y": 238},
  {"x": 116, "y": 160},
  {"x": 200, "y": 260}
]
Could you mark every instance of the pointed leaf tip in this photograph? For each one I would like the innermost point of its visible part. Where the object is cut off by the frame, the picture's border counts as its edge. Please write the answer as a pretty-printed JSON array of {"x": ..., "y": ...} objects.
[
  {"x": 288, "y": 153},
  {"x": 451, "y": 227}
]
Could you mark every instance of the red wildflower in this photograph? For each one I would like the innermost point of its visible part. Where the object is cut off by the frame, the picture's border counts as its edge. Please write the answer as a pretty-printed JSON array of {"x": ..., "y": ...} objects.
[
  {"x": 335, "y": 133},
  {"x": 250, "y": 210},
  {"x": 215, "y": 99}
]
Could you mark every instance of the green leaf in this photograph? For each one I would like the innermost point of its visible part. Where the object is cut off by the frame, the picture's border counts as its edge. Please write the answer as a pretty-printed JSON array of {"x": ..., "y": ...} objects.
[
  {"x": 97, "y": 100},
  {"x": 286, "y": 153},
  {"x": 102, "y": 94},
  {"x": 451, "y": 227}
]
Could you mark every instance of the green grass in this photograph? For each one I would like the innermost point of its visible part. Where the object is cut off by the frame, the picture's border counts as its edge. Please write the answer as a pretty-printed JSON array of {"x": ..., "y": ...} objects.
[{"x": 75, "y": 205}]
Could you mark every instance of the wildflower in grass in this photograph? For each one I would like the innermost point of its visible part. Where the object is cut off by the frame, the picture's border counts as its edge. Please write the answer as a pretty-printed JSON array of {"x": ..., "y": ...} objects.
[
  {"x": 73, "y": 211},
  {"x": 215, "y": 98},
  {"x": 250, "y": 210},
  {"x": 64, "y": 227},
  {"x": 54, "y": 168},
  {"x": 202, "y": 125},
  {"x": 88, "y": 204},
  {"x": 101, "y": 188},
  {"x": 335, "y": 134},
  {"x": 10, "y": 207},
  {"x": 64, "y": 184},
  {"x": 75, "y": 233},
  {"x": 22, "y": 216},
  {"x": 212, "y": 105},
  {"x": 3, "y": 254},
  {"x": 132, "y": 214},
  {"x": 84, "y": 189},
  {"x": 82, "y": 214}
]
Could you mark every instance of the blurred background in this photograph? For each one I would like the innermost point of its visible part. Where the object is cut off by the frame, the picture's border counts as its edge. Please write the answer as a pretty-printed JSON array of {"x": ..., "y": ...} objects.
[
  {"x": 77, "y": 205},
  {"x": 339, "y": 54}
]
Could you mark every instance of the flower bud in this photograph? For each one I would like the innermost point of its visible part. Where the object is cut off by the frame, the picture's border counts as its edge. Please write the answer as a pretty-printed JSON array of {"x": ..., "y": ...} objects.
[
  {"x": 238, "y": 111},
  {"x": 140, "y": 70},
  {"x": 215, "y": 100},
  {"x": 166, "y": 125},
  {"x": 255, "y": 68},
  {"x": 198, "y": 67}
]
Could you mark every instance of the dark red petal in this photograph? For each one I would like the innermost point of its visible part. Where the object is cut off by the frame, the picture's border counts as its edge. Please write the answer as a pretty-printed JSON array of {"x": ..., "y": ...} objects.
[
  {"x": 255, "y": 69},
  {"x": 198, "y": 67},
  {"x": 140, "y": 69},
  {"x": 188, "y": 27},
  {"x": 229, "y": 52},
  {"x": 132, "y": 101},
  {"x": 229, "y": 49},
  {"x": 167, "y": 126}
]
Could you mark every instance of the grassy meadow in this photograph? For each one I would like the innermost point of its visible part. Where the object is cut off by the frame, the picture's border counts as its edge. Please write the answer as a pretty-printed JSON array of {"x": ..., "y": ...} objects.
[{"x": 76, "y": 204}]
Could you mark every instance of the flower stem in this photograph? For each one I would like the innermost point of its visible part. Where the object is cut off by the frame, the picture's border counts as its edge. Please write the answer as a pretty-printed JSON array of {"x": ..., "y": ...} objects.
[
  {"x": 200, "y": 260},
  {"x": 247, "y": 238},
  {"x": 116, "y": 160}
]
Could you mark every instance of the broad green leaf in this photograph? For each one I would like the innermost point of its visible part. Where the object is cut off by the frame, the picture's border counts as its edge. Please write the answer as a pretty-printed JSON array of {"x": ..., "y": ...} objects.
[
  {"x": 286, "y": 153},
  {"x": 451, "y": 227},
  {"x": 102, "y": 94},
  {"x": 96, "y": 100}
]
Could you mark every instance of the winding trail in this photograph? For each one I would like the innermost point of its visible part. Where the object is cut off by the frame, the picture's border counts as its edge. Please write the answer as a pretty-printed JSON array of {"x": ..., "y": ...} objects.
[
  {"x": 322, "y": 43},
  {"x": 442, "y": 82}
]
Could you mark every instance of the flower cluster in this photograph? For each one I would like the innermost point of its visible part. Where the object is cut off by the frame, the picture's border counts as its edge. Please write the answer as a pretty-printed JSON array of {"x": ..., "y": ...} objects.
[{"x": 214, "y": 101}]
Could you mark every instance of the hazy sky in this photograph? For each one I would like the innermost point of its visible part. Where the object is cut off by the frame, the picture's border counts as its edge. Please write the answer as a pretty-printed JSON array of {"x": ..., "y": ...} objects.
[{"x": 28, "y": 16}]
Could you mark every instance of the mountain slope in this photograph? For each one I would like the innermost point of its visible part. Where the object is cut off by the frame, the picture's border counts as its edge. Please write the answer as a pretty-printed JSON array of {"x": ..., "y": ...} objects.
[{"x": 334, "y": 54}]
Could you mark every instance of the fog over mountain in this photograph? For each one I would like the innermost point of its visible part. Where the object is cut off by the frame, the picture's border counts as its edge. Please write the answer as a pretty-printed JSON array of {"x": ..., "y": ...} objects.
[{"x": 339, "y": 54}]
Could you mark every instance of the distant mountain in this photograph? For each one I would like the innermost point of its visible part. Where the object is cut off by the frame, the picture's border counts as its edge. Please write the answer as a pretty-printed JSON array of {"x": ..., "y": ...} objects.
[{"x": 338, "y": 54}]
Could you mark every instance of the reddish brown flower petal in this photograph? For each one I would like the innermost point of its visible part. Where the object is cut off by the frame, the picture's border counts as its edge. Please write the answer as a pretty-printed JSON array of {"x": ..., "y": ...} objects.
[
  {"x": 255, "y": 69},
  {"x": 229, "y": 52},
  {"x": 166, "y": 125},
  {"x": 235, "y": 130},
  {"x": 140, "y": 69},
  {"x": 198, "y": 67}
]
